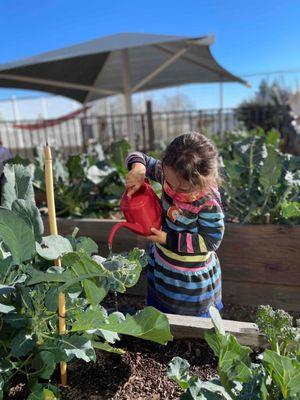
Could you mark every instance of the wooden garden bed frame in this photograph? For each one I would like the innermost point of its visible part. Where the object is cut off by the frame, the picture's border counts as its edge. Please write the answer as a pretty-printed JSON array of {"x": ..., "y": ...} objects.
[
  {"x": 184, "y": 327},
  {"x": 260, "y": 265}
]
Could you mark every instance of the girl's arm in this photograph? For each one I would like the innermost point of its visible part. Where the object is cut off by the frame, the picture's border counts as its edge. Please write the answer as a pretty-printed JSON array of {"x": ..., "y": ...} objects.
[
  {"x": 153, "y": 166},
  {"x": 209, "y": 236}
]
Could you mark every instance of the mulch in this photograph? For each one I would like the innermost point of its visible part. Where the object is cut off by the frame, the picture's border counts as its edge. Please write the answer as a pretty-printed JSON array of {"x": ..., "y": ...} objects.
[{"x": 140, "y": 373}]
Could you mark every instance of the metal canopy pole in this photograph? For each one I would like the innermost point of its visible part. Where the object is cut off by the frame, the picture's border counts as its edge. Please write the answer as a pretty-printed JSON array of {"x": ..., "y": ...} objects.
[
  {"x": 127, "y": 95},
  {"x": 161, "y": 68},
  {"x": 16, "y": 113},
  {"x": 59, "y": 84},
  {"x": 221, "y": 95}
]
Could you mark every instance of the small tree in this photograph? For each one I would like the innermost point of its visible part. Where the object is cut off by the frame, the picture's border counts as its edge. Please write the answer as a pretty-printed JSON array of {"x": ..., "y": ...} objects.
[
  {"x": 264, "y": 109},
  {"x": 270, "y": 108}
]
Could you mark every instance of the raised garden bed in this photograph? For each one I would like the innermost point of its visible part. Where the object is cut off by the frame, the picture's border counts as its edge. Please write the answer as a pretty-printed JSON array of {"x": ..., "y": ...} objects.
[
  {"x": 260, "y": 263},
  {"x": 139, "y": 374}
]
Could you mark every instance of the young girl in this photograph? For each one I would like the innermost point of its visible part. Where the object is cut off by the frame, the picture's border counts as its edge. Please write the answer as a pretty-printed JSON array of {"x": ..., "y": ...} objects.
[{"x": 184, "y": 275}]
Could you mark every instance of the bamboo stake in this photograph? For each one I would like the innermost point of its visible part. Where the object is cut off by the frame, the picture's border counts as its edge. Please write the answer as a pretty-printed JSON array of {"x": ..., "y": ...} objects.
[{"x": 53, "y": 231}]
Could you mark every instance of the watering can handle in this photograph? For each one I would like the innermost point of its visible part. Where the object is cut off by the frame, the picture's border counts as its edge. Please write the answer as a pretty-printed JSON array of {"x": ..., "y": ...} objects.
[
  {"x": 146, "y": 181},
  {"x": 133, "y": 227}
]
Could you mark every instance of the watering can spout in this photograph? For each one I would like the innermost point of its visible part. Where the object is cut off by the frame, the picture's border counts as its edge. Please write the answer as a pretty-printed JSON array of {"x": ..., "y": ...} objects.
[{"x": 136, "y": 228}]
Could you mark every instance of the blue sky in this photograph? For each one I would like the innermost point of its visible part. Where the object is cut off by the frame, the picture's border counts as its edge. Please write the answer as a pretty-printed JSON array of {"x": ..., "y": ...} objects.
[{"x": 251, "y": 36}]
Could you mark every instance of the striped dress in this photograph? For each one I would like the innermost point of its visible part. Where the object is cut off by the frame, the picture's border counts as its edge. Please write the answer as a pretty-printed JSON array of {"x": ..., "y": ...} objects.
[{"x": 184, "y": 275}]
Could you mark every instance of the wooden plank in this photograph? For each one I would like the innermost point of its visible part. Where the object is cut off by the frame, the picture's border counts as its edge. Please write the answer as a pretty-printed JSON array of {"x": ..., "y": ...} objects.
[
  {"x": 185, "y": 327},
  {"x": 264, "y": 253},
  {"x": 254, "y": 294}
]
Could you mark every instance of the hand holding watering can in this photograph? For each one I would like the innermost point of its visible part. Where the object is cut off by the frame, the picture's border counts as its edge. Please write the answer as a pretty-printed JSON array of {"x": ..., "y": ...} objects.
[
  {"x": 135, "y": 178},
  {"x": 141, "y": 208}
]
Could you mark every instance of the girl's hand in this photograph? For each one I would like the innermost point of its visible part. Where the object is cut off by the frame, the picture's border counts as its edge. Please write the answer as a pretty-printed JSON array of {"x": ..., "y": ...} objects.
[
  {"x": 135, "y": 178},
  {"x": 158, "y": 236}
]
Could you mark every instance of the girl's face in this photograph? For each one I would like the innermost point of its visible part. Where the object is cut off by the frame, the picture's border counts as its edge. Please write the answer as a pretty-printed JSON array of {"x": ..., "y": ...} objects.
[
  {"x": 178, "y": 188},
  {"x": 177, "y": 183}
]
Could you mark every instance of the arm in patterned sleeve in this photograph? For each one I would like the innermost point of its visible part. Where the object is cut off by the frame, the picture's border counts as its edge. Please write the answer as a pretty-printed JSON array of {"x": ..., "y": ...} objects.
[
  {"x": 153, "y": 166},
  {"x": 209, "y": 235}
]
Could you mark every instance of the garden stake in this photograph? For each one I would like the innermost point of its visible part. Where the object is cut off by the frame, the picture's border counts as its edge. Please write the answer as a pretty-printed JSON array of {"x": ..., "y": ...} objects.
[{"x": 53, "y": 231}]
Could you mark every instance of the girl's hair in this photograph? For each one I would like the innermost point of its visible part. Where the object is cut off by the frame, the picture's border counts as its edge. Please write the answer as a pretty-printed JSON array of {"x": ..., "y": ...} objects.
[{"x": 196, "y": 159}]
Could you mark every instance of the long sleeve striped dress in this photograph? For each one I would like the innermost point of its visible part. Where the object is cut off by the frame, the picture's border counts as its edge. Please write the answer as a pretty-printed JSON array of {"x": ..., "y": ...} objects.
[{"x": 184, "y": 275}]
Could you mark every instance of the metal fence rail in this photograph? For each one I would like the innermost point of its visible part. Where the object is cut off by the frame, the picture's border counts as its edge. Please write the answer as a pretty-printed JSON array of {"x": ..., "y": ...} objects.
[{"x": 150, "y": 129}]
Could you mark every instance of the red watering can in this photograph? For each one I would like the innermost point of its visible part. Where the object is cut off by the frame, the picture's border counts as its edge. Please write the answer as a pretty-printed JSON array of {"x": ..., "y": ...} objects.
[{"x": 142, "y": 211}]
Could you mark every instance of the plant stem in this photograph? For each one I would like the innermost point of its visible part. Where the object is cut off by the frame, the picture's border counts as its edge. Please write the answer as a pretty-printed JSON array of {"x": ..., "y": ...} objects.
[{"x": 19, "y": 369}]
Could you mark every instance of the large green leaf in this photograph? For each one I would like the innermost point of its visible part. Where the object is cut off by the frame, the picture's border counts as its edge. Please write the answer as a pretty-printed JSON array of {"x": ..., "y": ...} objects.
[
  {"x": 97, "y": 175},
  {"x": 60, "y": 172},
  {"x": 234, "y": 359},
  {"x": 217, "y": 320},
  {"x": 16, "y": 320},
  {"x": 44, "y": 363},
  {"x": 118, "y": 273},
  {"x": 77, "y": 346},
  {"x": 75, "y": 167},
  {"x": 148, "y": 324},
  {"x": 119, "y": 151},
  {"x": 68, "y": 277},
  {"x": 257, "y": 387},
  {"x": 271, "y": 169},
  {"x": 17, "y": 184},
  {"x": 28, "y": 211},
  {"x": 51, "y": 299},
  {"x": 86, "y": 244},
  {"x": 285, "y": 371},
  {"x": 178, "y": 371},
  {"x": 107, "y": 347},
  {"x": 290, "y": 209},
  {"x": 208, "y": 390},
  {"x": 37, "y": 276},
  {"x": 91, "y": 319},
  {"x": 80, "y": 263},
  {"x": 23, "y": 343},
  {"x": 94, "y": 293},
  {"x": 4, "y": 308},
  {"x": 17, "y": 236},
  {"x": 53, "y": 247},
  {"x": 126, "y": 269}
]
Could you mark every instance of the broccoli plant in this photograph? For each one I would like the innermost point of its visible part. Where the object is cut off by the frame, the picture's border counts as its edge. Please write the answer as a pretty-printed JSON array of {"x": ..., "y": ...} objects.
[
  {"x": 277, "y": 326},
  {"x": 261, "y": 185},
  {"x": 275, "y": 377},
  {"x": 30, "y": 345}
]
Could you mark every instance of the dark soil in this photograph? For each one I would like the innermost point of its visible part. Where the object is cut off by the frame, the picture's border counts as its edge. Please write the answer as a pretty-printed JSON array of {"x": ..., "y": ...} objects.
[{"x": 139, "y": 374}]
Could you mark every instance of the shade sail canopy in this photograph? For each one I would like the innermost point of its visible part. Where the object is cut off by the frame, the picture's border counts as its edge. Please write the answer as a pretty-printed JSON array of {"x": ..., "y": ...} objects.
[{"x": 121, "y": 63}]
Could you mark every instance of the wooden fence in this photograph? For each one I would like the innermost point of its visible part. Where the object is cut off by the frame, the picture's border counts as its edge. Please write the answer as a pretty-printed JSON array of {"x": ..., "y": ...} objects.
[{"x": 260, "y": 263}]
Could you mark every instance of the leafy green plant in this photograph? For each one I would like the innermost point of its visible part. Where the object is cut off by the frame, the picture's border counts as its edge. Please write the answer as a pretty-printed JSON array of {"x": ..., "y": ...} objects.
[
  {"x": 276, "y": 377},
  {"x": 30, "y": 345},
  {"x": 86, "y": 185},
  {"x": 261, "y": 184},
  {"x": 194, "y": 388}
]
